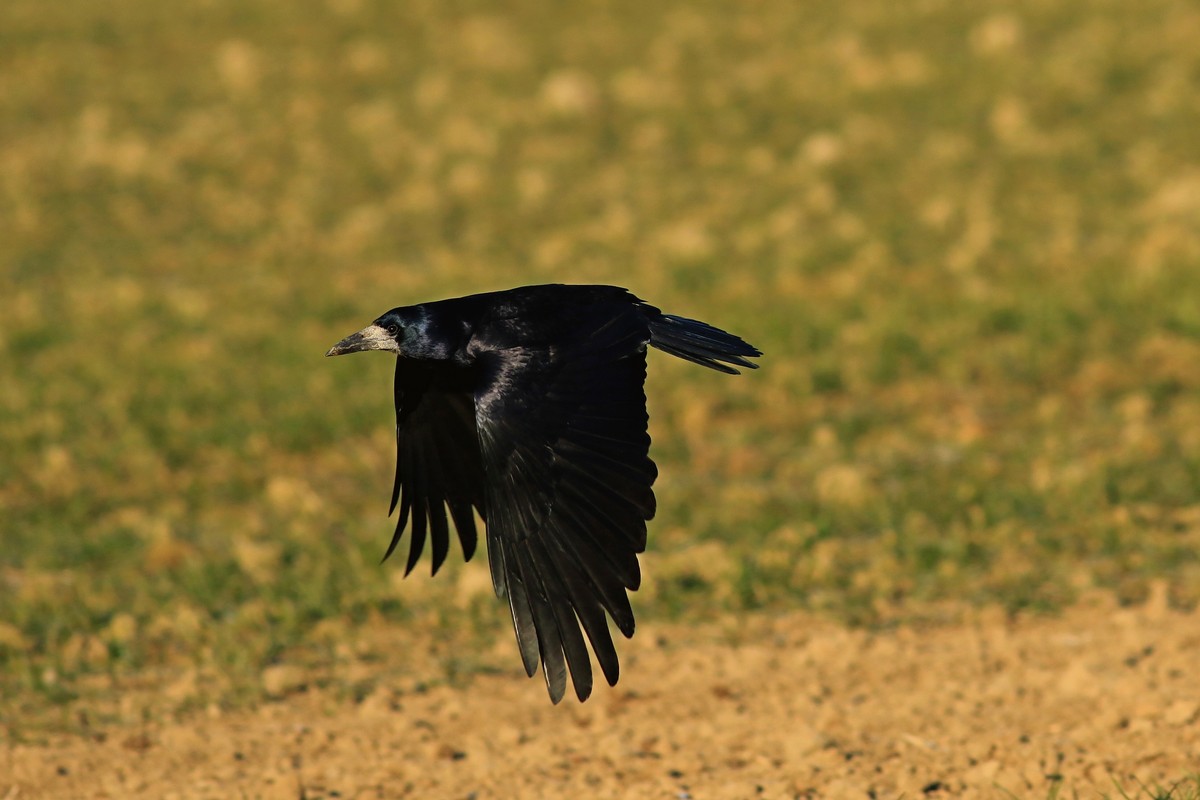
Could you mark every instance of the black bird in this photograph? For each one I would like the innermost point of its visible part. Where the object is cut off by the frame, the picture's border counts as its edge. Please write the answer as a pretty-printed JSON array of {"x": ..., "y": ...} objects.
[{"x": 527, "y": 405}]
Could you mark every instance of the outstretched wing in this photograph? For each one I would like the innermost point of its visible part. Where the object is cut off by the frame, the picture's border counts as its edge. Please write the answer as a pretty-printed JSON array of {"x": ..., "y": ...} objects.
[
  {"x": 438, "y": 463},
  {"x": 562, "y": 430}
]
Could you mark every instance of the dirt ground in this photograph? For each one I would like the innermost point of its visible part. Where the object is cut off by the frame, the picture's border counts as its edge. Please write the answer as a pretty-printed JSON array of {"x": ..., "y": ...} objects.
[{"x": 1098, "y": 701}]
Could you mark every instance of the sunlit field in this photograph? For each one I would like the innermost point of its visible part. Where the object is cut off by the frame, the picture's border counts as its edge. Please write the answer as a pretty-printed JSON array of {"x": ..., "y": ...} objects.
[{"x": 965, "y": 235}]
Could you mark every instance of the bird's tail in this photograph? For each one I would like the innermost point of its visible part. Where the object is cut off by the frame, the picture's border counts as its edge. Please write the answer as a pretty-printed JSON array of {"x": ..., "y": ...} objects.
[{"x": 701, "y": 343}]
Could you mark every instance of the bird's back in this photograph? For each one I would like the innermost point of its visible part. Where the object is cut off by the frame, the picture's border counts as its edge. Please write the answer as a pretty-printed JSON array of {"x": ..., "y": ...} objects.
[
  {"x": 564, "y": 317},
  {"x": 558, "y": 316}
]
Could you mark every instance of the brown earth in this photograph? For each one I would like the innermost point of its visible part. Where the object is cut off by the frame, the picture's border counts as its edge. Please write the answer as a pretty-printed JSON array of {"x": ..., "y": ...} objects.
[{"x": 1098, "y": 701}]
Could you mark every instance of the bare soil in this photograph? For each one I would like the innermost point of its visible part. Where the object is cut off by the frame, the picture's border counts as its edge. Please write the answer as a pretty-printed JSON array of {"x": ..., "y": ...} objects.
[{"x": 1098, "y": 701}]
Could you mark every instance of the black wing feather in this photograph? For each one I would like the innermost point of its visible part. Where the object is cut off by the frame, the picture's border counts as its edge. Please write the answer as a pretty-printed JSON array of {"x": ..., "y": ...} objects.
[
  {"x": 570, "y": 639},
  {"x": 565, "y": 450},
  {"x": 439, "y": 531},
  {"x": 416, "y": 540},
  {"x": 438, "y": 463},
  {"x": 583, "y": 594},
  {"x": 520, "y": 608}
]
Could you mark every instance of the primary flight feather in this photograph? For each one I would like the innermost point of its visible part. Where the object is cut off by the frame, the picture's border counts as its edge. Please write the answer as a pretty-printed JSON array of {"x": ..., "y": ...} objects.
[{"x": 527, "y": 406}]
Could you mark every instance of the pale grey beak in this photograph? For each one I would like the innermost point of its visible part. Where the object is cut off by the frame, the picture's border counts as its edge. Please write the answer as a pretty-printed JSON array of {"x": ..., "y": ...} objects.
[{"x": 369, "y": 338}]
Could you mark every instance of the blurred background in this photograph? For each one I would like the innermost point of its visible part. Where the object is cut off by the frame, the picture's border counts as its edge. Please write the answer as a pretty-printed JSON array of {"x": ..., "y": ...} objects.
[{"x": 966, "y": 236}]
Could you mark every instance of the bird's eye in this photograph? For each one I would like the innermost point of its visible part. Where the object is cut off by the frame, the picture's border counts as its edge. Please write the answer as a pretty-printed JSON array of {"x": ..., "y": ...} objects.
[{"x": 392, "y": 329}]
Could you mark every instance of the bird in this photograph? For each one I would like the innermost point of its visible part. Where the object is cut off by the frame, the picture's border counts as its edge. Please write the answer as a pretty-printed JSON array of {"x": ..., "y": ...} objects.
[{"x": 527, "y": 407}]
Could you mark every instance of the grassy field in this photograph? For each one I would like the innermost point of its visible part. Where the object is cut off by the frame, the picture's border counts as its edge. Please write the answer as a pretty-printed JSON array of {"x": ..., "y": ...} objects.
[{"x": 966, "y": 236}]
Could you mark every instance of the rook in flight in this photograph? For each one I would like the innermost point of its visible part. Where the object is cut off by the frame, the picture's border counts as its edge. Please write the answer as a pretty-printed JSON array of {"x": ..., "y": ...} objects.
[{"x": 528, "y": 406}]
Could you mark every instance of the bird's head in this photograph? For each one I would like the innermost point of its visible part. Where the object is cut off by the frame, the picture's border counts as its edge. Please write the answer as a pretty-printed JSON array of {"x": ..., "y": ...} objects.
[
  {"x": 385, "y": 333},
  {"x": 410, "y": 331}
]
